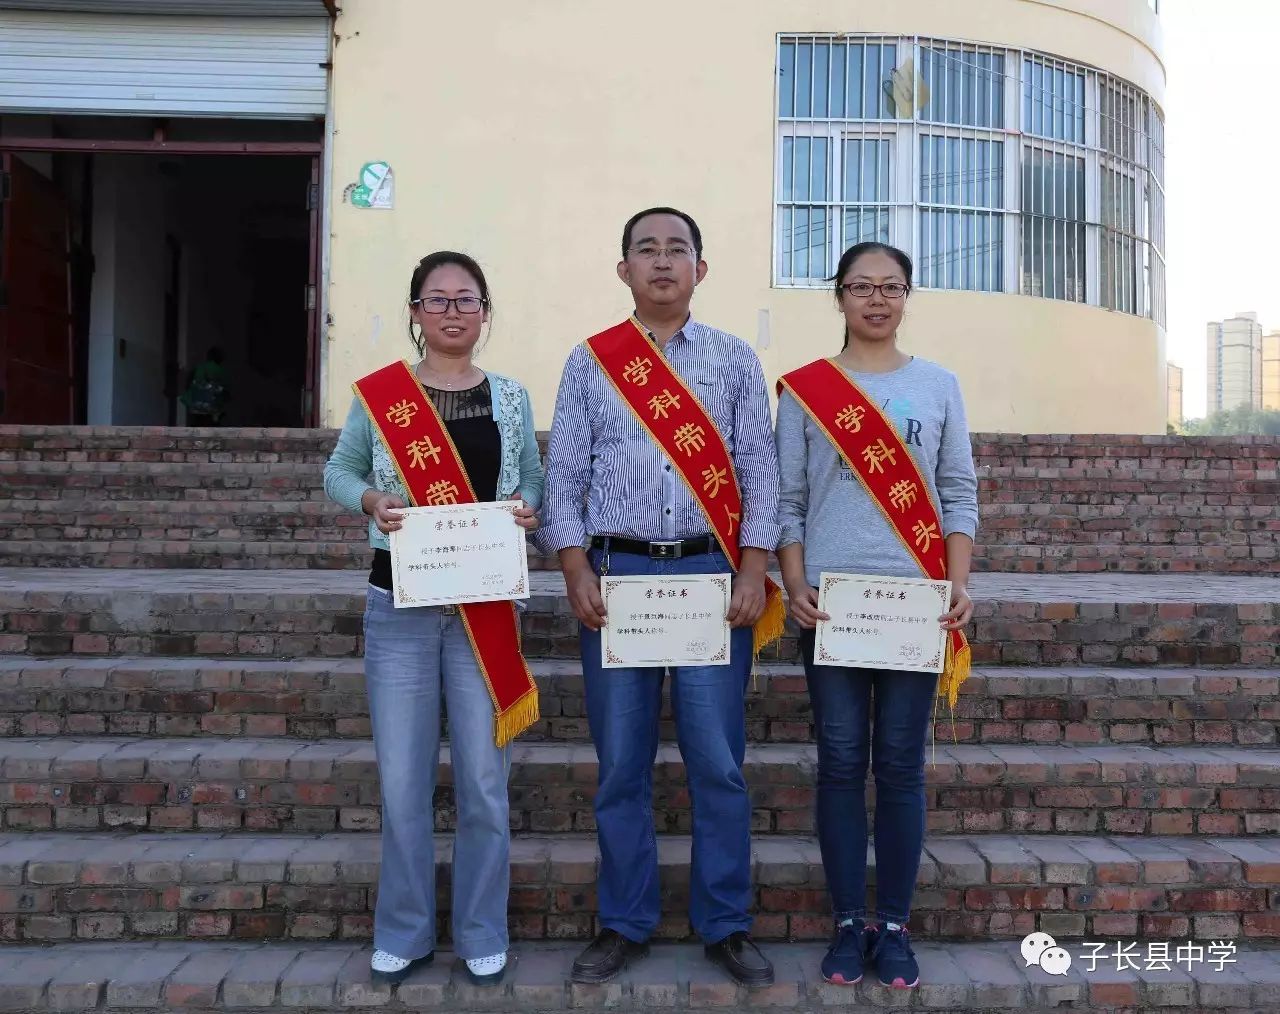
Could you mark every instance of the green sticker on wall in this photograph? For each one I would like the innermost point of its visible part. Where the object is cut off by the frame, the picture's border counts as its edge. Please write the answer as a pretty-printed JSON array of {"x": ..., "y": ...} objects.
[{"x": 375, "y": 187}]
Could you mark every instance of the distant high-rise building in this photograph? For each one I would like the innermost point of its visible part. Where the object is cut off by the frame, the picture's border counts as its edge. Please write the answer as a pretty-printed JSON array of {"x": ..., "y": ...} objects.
[
  {"x": 1271, "y": 371},
  {"x": 1234, "y": 349},
  {"x": 1175, "y": 395}
]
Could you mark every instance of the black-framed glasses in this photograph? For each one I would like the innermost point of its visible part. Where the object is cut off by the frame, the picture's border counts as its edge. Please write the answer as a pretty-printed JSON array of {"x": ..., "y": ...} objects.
[
  {"x": 890, "y": 290},
  {"x": 440, "y": 304},
  {"x": 651, "y": 251}
]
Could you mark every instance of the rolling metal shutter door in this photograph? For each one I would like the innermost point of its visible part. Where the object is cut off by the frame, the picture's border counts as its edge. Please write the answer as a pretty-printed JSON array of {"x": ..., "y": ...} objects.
[
  {"x": 155, "y": 65},
  {"x": 198, "y": 8}
]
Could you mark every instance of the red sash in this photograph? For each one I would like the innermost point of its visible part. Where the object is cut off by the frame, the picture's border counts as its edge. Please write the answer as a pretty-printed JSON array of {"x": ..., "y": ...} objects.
[
  {"x": 872, "y": 449},
  {"x": 670, "y": 413},
  {"x": 432, "y": 473}
]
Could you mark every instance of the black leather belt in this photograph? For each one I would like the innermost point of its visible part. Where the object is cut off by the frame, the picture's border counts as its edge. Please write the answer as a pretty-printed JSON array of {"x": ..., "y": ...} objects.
[{"x": 672, "y": 550}]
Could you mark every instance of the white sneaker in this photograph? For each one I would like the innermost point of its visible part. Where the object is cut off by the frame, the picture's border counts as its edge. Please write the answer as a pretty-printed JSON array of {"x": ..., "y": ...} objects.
[
  {"x": 487, "y": 971},
  {"x": 388, "y": 968}
]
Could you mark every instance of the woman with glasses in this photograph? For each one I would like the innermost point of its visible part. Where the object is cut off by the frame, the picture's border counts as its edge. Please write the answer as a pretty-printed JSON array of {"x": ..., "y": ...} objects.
[
  {"x": 416, "y": 656},
  {"x": 838, "y": 516}
]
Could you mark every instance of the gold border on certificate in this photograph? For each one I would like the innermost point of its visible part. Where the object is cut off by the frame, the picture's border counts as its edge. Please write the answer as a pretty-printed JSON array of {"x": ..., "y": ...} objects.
[
  {"x": 915, "y": 657},
  {"x": 708, "y": 593}
]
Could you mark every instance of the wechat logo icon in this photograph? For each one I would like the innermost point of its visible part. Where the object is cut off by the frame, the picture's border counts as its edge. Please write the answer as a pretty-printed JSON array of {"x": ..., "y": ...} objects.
[{"x": 1041, "y": 949}]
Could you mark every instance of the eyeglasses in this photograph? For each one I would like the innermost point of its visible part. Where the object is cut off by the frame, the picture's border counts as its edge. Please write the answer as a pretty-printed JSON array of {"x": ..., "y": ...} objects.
[
  {"x": 890, "y": 290},
  {"x": 439, "y": 304},
  {"x": 651, "y": 253}
]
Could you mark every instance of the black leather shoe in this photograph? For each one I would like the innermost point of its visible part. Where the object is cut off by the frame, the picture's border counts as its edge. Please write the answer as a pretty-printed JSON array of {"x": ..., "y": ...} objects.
[
  {"x": 606, "y": 956},
  {"x": 738, "y": 955}
]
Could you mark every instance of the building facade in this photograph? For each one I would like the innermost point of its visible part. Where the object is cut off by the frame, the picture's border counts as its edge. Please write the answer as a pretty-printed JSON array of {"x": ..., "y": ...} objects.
[
  {"x": 1175, "y": 416},
  {"x": 1271, "y": 371},
  {"x": 1234, "y": 362},
  {"x": 163, "y": 193},
  {"x": 1013, "y": 147}
]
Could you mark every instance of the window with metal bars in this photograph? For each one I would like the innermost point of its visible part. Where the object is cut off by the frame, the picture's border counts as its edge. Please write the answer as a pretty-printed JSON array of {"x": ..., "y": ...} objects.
[
  {"x": 998, "y": 170},
  {"x": 961, "y": 225}
]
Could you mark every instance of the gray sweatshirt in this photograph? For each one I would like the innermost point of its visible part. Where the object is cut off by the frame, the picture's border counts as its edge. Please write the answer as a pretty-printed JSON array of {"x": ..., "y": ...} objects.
[{"x": 823, "y": 504}]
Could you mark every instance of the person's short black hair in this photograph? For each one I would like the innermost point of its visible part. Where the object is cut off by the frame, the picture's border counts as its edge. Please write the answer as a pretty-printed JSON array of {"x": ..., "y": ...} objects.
[
  {"x": 686, "y": 218},
  {"x": 214, "y": 355}
]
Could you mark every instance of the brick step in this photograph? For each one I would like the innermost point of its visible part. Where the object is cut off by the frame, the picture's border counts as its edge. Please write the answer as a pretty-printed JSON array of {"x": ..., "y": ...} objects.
[
  {"x": 148, "y": 480},
  {"x": 174, "y": 543},
  {"x": 83, "y": 783},
  {"x": 253, "y": 548},
  {"x": 1099, "y": 483},
  {"x": 1102, "y": 516},
  {"x": 213, "y": 554},
  {"x": 1067, "y": 619},
  {"x": 47, "y": 499},
  {"x": 269, "y": 546},
  {"x": 967, "y": 978},
  {"x": 1049, "y": 504},
  {"x": 325, "y": 698},
  {"x": 1079, "y": 524},
  {"x": 1033, "y": 451},
  {"x": 76, "y": 443},
  {"x": 1008, "y": 505},
  {"x": 1257, "y": 557},
  {"x": 1013, "y": 456},
  {"x": 227, "y": 532},
  {"x": 1080, "y": 521},
  {"x": 117, "y": 886},
  {"x": 84, "y": 518},
  {"x": 185, "y": 554}
]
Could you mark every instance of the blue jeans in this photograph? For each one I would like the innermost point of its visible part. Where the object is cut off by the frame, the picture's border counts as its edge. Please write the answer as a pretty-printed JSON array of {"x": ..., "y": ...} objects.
[
  {"x": 412, "y": 657},
  {"x": 881, "y": 716},
  {"x": 710, "y": 714}
]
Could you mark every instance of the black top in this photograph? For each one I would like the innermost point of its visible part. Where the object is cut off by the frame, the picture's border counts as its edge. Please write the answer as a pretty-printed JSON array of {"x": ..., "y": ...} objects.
[{"x": 468, "y": 416}]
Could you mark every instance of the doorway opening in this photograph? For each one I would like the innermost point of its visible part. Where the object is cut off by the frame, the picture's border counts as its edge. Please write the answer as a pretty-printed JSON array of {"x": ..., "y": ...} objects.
[{"x": 126, "y": 264}]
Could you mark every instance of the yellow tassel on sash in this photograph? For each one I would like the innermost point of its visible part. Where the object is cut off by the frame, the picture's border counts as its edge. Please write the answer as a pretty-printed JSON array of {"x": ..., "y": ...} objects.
[
  {"x": 954, "y": 672},
  {"x": 773, "y": 621},
  {"x": 516, "y": 719}
]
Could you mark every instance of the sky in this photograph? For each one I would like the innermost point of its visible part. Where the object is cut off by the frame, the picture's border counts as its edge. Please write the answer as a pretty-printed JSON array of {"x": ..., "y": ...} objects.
[{"x": 1222, "y": 147}]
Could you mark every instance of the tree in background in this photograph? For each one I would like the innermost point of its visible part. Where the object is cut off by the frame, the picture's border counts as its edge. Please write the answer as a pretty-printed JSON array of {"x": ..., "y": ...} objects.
[{"x": 1238, "y": 421}]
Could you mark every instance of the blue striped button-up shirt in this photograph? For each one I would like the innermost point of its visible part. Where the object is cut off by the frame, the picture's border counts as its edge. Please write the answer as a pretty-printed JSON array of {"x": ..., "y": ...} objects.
[{"x": 606, "y": 476}]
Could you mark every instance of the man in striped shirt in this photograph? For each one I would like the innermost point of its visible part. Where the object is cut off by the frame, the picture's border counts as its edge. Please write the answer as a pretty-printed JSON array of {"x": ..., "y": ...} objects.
[{"x": 614, "y": 504}]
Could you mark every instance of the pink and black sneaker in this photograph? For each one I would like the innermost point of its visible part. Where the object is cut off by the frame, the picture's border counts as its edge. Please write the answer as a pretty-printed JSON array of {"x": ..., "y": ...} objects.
[
  {"x": 842, "y": 965},
  {"x": 889, "y": 950}
]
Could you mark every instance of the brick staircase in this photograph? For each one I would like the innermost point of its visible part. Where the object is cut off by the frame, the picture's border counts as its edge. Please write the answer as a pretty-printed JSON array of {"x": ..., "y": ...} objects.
[
  {"x": 251, "y": 499},
  {"x": 189, "y": 799}
]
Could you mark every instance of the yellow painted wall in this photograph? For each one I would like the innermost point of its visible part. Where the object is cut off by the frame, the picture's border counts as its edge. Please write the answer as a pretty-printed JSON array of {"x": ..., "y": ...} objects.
[
  {"x": 525, "y": 132},
  {"x": 1176, "y": 411},
  {"x": 1271, "y": 372}
]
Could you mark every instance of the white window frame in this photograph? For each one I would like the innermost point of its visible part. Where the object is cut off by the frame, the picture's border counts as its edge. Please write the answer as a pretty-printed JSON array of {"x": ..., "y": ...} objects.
[
  {"x": 1005, "y": 208},
  {"x": 1008, "y": 208},
  {"x": 905, "y": 203},
  {"x": 837, "y": 130},
  {"x": 836, "y": 134}
]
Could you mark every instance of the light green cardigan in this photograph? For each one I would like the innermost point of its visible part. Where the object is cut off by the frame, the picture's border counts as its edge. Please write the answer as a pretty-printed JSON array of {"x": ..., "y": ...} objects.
[{"x": 360, "y": 456}]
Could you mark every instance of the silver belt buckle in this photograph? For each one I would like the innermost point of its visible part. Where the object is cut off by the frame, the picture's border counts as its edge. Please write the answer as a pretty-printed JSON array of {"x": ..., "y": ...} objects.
[{"x": 665, "y": 550}]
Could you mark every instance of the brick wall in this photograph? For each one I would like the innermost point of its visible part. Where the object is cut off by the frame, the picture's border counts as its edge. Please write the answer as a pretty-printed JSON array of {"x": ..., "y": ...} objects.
[
  {"x": 1129, "y": 503},
  {"x": 137, "y": 497}
]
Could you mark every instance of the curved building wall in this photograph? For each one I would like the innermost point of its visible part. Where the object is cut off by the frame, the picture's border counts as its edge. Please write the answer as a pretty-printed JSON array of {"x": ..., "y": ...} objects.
[{"x": 528, "y": 138}]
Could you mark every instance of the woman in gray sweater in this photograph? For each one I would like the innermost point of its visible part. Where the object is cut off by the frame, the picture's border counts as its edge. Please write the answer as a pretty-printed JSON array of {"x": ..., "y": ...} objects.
[{"x": 830, "y": 523}]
